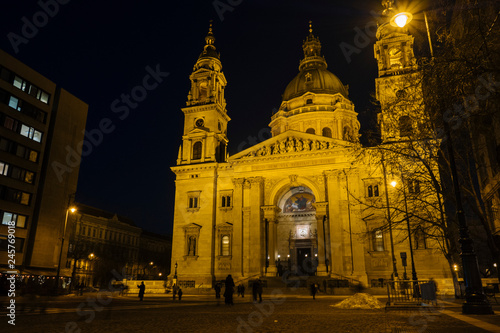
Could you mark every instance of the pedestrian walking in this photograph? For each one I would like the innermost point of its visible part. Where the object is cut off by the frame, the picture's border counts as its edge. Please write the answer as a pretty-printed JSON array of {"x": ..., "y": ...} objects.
[
  {"x": 229, "y": 290},
  {"x": 255, "y": 288},
  {"x": 242, "y": 290},
  {"x": 239, "y": 290},
  {"x": 142, "y": 290},
  {"x": 179, "y": 293},
  {"x": 217, "y": 290},
  {"x": 174, "y": 291},
  {"x": 313, "y": 290}
]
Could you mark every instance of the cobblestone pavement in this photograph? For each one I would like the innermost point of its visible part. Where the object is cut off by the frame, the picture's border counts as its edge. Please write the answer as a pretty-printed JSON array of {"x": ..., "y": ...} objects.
[{"x": 204, "y": 314}]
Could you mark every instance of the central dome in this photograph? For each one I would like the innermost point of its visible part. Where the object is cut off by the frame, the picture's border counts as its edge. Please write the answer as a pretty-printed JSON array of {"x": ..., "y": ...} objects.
[
  {"x": 313, "y": 75},
  {"x": 316, "y": 80}
]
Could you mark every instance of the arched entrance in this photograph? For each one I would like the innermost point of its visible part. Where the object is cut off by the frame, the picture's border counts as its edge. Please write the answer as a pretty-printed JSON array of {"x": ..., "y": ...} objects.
[{"x": 297, "y": 246}]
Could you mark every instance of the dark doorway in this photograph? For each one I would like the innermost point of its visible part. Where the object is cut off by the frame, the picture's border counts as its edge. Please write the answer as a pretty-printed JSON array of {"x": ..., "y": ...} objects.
[{"x": 304, "y": 261}]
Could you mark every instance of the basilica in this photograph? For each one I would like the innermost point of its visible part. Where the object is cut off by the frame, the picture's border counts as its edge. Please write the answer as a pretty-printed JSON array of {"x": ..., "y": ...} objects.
[{"x": 296, "y": 202}]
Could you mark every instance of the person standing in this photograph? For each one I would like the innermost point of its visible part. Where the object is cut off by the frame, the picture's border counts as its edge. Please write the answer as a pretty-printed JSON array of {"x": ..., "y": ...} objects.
[
  {"x": 228, "y": 293},
  {"x": 242, "y": 290},
  {"x": 142, "y": 290},
  {"x": 255, "y": 290},
  {"x": 180, "y": 294},
  {"x": 174, "y": 291},
  {"x": 313, "y": 290},
  {"x": 217, "y": 290}
]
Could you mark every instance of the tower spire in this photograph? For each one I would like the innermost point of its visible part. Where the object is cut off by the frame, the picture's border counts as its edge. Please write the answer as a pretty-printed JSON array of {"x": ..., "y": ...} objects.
[
  {"x": 312, "y": 52},
  {"x": 209, "y": 48}
]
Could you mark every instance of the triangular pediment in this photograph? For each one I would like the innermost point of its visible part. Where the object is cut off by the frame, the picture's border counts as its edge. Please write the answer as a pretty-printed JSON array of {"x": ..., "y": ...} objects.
[{"x": 291, "y": 142}]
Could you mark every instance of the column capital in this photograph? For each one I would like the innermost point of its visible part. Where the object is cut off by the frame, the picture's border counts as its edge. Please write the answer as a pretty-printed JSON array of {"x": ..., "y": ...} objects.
[
  {"x": 238, "y": 182},
  {"x": 321, "y": 208},
  {"x": 255, "y": 181},
  {"x": 270, "y": 212}
]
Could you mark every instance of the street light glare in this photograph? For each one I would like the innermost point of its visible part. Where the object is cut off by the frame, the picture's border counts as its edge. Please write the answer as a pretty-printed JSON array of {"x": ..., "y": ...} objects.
[
  {"x": 72, "y": 209},
  {"x": 401, "y": 19},
  {"x": 394, "y": 183}
]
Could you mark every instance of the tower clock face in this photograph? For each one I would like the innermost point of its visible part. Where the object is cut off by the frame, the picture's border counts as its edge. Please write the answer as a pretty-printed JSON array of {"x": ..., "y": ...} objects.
[{"x": 199, "y": 123}]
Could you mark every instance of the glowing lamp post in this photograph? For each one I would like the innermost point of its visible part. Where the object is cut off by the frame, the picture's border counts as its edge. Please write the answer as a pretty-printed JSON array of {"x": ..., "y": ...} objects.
[
  {"x": 475, "y": 299},
  {"x": 72, "y": 210}
]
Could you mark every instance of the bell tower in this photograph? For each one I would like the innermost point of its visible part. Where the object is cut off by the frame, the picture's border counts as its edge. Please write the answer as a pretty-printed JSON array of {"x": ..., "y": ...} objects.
[
  {"x": 205, "y": 116},
  {"x": 398, "y": 86}
]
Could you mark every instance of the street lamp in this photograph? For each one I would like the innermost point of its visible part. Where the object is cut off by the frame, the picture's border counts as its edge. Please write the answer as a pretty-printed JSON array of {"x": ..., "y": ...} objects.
[
  {"x": 68, "y": 210},
  {"x": 407, "y": 218},
  {"x": 401, "y": 19},
  {"x": 476, "y": 301},
  {"x": 394, "y": 269}
]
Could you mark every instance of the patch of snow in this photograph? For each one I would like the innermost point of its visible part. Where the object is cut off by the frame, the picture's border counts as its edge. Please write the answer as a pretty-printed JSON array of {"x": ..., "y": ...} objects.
[{"x": 360, "y": 301}]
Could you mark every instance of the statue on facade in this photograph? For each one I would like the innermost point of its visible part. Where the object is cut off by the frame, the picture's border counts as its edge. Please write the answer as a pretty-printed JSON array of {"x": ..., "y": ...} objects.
[
  {"x": 290, "y": 146},
  {"x": 307, "y": 144}
]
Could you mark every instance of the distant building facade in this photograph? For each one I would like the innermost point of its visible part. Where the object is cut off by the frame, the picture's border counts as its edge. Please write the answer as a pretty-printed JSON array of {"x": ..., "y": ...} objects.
[
  {"x": 40, "y": 123},
  {"x": 104, "y": 246}
]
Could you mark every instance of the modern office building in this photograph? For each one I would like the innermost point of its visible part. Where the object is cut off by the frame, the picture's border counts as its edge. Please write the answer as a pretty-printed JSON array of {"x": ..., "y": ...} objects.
[{"x": 41, "y": 131}]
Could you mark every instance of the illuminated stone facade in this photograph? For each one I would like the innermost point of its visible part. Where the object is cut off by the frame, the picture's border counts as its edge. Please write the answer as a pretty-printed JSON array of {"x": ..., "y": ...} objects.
[{"x": 296, "y": 202}]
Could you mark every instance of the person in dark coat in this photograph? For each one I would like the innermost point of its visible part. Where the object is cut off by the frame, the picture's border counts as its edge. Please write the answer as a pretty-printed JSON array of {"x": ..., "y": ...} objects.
[
  {"x": 179, "y": 292},
  {"x": 255, "y": 290},
  {"x": 313, "y": 290},
  {"x": 217, "y": 290},
  {"x": 242, "y": 290},
  {"x": 142, "y": 290},
  {"x": 259, "y": 291},
  {"x": 228, "y": 293}
]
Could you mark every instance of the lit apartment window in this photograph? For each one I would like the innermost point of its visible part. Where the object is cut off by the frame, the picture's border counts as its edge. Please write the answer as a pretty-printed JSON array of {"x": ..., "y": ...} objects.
[
  {"x": 14, "y": 103},
  {"x": 31, "y": 133},
  {"x": 8, "y": 217},
  {"x": 4, "y": 168}
]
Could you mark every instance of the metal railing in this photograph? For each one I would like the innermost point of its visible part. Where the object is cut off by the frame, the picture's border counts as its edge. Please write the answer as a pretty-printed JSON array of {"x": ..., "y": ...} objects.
[{"x": 404, "y": 293}]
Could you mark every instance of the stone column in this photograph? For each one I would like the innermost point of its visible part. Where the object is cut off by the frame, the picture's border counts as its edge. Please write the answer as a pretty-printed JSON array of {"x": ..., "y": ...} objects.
[
  {"x": 269, "y": 213},
  {"x": 321, "y": 212},
  {"x": 256, "y": 232},
  {"x": 238, "y": 232}
]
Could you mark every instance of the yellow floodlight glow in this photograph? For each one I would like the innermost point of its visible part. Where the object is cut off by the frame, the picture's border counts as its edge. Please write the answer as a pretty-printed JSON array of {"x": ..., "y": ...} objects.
[
  {"x": 394, "y": 183},
  {"x": 401, "y": 19}
]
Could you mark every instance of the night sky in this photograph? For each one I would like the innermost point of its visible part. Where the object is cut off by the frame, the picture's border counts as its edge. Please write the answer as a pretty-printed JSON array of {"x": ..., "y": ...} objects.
[{"x": 99, "y": 50}]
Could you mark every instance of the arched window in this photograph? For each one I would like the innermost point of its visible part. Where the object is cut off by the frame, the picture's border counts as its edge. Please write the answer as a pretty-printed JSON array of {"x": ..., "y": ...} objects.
[
  {"x": 311, "y": 131},
  {"x": 419, "y": 242},
  {"x": 225, "y": 245},
  {"x": 405, "y": 127},
  {"x": 378, "y": 240},
  {"x": 197, "y": 150},
  {"x": 309, "y": 101},
  {"x": 192, "y": 246},
  {"x": 327, "y": 132}
]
